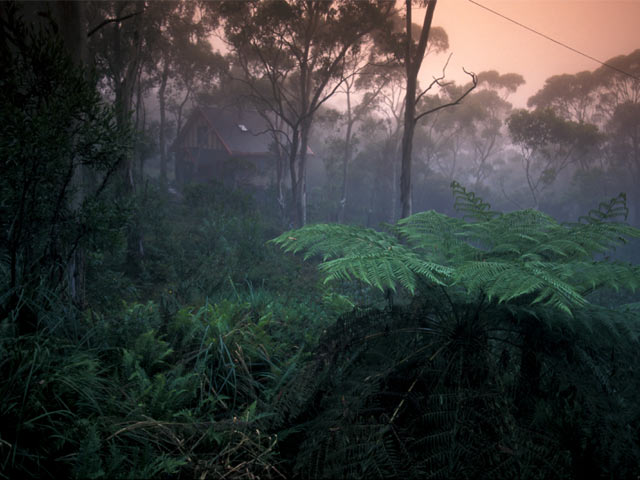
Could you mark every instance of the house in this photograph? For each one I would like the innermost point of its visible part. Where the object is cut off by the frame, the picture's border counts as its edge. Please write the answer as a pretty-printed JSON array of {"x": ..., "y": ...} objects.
[{"x": 229, "y": 144}]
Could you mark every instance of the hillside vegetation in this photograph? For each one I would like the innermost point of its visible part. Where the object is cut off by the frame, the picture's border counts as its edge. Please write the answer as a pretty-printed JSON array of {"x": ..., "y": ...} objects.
[{"x": 148, "y": 334}]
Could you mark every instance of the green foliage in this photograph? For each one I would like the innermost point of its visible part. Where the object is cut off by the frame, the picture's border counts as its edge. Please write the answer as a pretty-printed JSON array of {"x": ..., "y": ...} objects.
[
  {"x": 505, "y": 257},
  {"x": 376, "y": 258},
  {"x": 47, "y": 388},
  {"x": 60, "y": 146},
  {"x": 145, "y": 395},
  {"x": 195, "y": 249},
  {"x": 483, "y": 374},
  {"x": 469, "y": 203},
  {"x": 512, "y": 352}
]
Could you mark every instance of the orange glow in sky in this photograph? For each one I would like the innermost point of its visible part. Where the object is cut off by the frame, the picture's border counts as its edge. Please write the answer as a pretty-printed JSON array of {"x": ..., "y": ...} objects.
[{"x": 480, "y": 40}]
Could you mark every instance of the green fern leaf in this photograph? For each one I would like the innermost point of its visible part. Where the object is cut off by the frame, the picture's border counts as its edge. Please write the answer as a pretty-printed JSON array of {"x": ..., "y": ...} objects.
[
  {"x": 507, "y": 257},
  {"x": 471, "y": 205}
]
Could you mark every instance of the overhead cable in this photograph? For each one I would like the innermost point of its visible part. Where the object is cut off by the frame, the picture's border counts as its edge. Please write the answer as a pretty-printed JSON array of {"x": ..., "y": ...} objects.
[{"x": 562, "y": 44}]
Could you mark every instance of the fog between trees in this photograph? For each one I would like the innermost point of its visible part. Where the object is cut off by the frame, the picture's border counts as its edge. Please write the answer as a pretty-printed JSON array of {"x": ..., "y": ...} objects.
[
  {"x": 290, "y": 258},
  {"x": 353, "y": 108}
]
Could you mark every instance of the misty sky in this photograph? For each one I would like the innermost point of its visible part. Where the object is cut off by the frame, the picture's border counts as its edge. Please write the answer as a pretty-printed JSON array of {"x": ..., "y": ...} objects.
[{"x": 481, "y": 40}]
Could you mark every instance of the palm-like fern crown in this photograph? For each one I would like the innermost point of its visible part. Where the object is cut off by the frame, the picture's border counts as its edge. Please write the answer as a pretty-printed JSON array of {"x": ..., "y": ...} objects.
[{"x": 503, "y": 256}]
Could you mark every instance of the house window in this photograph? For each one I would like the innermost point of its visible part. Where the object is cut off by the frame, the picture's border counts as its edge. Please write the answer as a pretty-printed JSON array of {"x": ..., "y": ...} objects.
[{"x": 202, "y": 136}]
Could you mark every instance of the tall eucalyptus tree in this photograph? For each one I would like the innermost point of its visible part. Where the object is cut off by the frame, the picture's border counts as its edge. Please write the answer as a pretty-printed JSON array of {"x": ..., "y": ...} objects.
[
  {"x": 413, "y": 55},
  {"x": 292, "y": 57},
  {"x": 184, "y": 61}
]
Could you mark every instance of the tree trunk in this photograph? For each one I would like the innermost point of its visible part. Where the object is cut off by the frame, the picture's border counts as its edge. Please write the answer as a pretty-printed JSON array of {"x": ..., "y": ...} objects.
[
  {"x": 162, "y": 140},
  {"x": 302, "y": 173},
  {"x": 295, "y": 216},
  {"x": 413, "y": 61},
  {"x": 141, "y": 125},
  {"x": 126, "y": 75},
  {"x": 407, "y": 148},
  {"x": 635, "y": 194},
  {"x": 393, "y": 216},
  {"x": 346, "y": 159},
  {"x": 280, "y": 167},
  {"x": 70, "y": 16},
  {"x": 298, "y": 167},
  {"x": 532, "y": 187}
]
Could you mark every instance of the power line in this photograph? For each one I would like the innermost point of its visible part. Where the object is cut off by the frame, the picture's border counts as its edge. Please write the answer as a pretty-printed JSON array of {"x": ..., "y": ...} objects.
[{"x": 556, "y": 41}]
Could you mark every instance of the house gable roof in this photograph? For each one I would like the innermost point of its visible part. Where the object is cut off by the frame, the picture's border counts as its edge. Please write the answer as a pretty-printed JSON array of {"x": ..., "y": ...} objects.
[{"x": 241, "y": 131}]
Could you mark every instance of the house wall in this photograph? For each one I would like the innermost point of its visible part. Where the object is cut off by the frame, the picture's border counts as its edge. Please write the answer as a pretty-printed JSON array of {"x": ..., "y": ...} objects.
[
  {"x": 200, "y": 135},
  {"x": 204, "y": 164},
  {"x": 195, "y": 164},
  {"x": 201, "y": 157}
]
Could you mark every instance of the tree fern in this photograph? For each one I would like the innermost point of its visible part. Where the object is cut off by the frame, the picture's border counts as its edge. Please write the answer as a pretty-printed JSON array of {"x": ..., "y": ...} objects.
[
  {"x": 504, "y": 256},
  {"x": 375, "y": 258},
  {"x": 503, "y": 363},
  {"x": 471, "y": 205}
]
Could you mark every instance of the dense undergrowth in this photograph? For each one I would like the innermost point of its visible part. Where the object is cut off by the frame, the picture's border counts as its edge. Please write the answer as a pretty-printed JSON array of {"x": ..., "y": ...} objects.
[
  {"x": 168, "y": 370},
  {"x": 509, "y": 359},
  {"x": 287, "y": 378},
  {"x": 495, "y": 346}
]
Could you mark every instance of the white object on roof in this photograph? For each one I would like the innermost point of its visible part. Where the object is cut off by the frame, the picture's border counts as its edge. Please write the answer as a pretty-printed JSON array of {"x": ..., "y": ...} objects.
[{"x": 242, "y": 127}]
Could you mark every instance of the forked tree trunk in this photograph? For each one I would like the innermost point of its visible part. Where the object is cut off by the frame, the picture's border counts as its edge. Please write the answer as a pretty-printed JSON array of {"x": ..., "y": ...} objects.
[{"x": 413, "y": 61}]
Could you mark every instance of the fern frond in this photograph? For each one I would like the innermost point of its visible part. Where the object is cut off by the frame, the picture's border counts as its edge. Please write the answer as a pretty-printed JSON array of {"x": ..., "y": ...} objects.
[
  {"x": 590, "y": 276},
  {"x": 374, "y": 258},
  {"x": 616, "y": 208},
  {"x": 555, "y": 291},
  {"x": 332, "y": 240},
  {"x": 602, "y": 237},
  {"x": 385, "y": 269},
  {"x": 521, "y": 231},
  {"x": 471, "y": 205},
  {"x": 633, "y": 307},
  {"x": 505, "y": 256},
  {"x": 435, "y": 235}
]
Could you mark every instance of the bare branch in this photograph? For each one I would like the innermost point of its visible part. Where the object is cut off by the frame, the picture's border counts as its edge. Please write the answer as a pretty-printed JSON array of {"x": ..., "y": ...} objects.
[
  {"x": 474, "y": 80},
  {"x": 113, "y": 20},
  {"x": 436, "y": 80}
]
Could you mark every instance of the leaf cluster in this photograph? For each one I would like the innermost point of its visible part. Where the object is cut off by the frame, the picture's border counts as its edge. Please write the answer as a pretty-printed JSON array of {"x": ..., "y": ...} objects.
[
  {"x": 509, "y": 258},
  {"x": 61, "y": 147},
  {"x": 503, "y": 367}
]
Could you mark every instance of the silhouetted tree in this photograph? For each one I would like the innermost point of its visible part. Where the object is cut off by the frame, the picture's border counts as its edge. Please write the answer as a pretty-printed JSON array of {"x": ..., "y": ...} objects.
[
  {"x": 573, "y": 97},
  {"x": 292, "y": 56},
  {"x": 54, "y": 125},
  {"x": 548, "y": 144},
  {"x": 413, "y": 56}
]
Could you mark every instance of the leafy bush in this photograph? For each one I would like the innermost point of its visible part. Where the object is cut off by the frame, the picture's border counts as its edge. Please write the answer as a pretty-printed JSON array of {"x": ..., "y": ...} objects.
[
  {"x": 497, "y": 365},
  {"x": 142, "y": 396},
  {"x": 60, "y": 146},
  {"x": 199, "y": 247}
]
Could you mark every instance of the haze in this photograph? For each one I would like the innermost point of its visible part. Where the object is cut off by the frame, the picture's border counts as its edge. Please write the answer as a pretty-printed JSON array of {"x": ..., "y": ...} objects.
[
  {"x": 481, "y": 40},
  {"x": 298, "y": 259}
]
